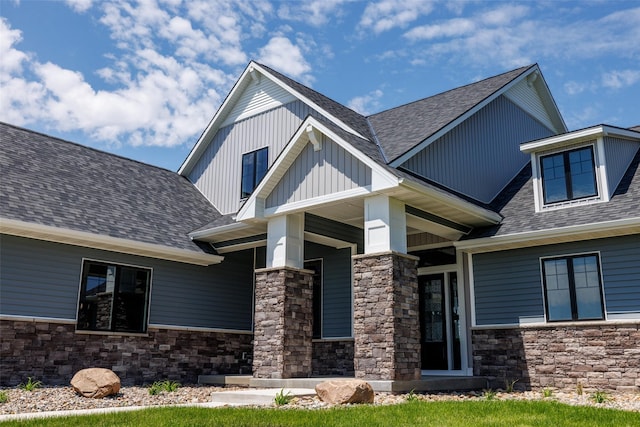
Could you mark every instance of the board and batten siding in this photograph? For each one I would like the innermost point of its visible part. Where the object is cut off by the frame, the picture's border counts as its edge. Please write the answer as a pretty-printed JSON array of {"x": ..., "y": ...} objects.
[
  {"x": 482, "y": 154},
  {"x": 42, "y": 279},
  {"x": 619, "y": 154},
  {"x": 217, "y": 174},
  {"x": 337, "y": 300},
  {"x": 330, "y": 170},
  {"x": 508, "y": 284}
]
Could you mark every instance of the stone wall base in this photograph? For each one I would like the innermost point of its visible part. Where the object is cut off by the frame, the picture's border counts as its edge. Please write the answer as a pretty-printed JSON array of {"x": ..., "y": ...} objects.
[
  {"x": 596, "y": 356},
  {"x": 54, "y": 352},
  {"x": 333, "y": 358}
]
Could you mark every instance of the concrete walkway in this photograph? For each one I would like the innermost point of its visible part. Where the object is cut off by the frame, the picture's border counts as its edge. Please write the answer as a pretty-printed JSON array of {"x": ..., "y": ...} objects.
[{"x": 252, "y": 397}]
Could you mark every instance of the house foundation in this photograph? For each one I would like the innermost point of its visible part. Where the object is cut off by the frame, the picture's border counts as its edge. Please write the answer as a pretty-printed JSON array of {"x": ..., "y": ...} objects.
[
  {"x": 283, "y": 331},
  {"x": 595, "y": 356},
  {"x": 386, "y": 325}
]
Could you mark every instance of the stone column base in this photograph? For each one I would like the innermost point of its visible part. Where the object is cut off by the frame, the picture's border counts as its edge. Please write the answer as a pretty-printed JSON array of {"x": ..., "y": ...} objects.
[{"x": 386, "y": 323}]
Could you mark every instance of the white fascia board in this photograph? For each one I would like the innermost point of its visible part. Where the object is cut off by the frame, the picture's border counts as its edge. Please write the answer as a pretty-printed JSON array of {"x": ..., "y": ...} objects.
[
  {"x": 538, "y": 237},
  {"x": 577, "y": 136},
  {"x": 216, "y": 121},
  {"x": 485, "y": 214},
  {"x": 107, "y": 243},
  {"x": 381, "y": 179},
  {"x": 209, "y": 232},
  {"x": 412, "y": 152}
]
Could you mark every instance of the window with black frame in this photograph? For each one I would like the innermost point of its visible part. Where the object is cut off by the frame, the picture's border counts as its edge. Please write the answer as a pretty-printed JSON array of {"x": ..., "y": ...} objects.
[
  {"x": 572, "y": 288},
  {"x": 254, "y": 168},
  {"x": 113, "y": 297},
  {"x": 568, "y": 175}
]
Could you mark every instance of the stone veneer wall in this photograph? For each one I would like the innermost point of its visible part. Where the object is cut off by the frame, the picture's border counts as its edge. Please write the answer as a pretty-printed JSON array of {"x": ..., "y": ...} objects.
[
  {"x": 386, "y": 324},
  {"x": 597, "y": 356},
  {"x": 282, "y": 346},
  {"x": 333, "y": 358},
  {"x": 54, "y": 352}
]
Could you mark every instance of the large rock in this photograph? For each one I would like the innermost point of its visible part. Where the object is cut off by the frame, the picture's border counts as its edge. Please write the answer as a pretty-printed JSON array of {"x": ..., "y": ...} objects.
[
  {"x": 96, "y": 382},
  {"x": 345, "y": 391}
]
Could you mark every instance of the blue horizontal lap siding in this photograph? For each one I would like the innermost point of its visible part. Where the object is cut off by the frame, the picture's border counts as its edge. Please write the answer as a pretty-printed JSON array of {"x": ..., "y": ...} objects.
[
  {"x": 508, "y": 284},
  {"x": 336, "y": 295},
  {"x": 42, "y": 279}
]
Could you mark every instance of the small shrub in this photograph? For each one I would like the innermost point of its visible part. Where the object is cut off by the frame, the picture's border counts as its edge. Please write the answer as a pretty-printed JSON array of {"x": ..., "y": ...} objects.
[
  {"x": 547, "y": 393},
  {"x": 489, "y": 394},
  {"x": 509, "y": 385},
  {"x": 282, "y": 398},
  {"x": 599, "y": 396},
  {"x": 412, "y": 396},
  {"x": 4, "y": 397},
  {"x": 30, "y": 385},
  {"x": 160, "y": 386},
  {"x": 579, "y": 389}
]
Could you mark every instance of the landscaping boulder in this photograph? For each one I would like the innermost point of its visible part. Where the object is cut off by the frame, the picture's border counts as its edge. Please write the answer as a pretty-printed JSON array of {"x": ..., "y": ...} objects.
[
  {"x": 345, "y": 391},
  {"x": 96, "y": 382}
]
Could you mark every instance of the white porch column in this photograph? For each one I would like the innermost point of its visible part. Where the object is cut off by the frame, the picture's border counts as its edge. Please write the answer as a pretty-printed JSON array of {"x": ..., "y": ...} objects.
[
  {"x": 385, "y": 225},
  {"x": 285, "y": 241}
]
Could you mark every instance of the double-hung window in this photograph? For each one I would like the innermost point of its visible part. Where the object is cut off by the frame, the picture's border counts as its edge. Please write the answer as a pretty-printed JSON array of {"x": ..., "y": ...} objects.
[
  {"x": 254, "y": 167},
  {"x": 113, "y": 297},
  {"x": 568, "y": 175},
  {"x": 572, "y": 288}
]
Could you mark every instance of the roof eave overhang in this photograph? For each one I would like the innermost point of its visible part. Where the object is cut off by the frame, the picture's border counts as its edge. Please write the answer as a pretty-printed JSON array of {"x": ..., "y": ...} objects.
[
  {"x": 220, "y": 115},
  {"x": 545, "y": 93},
  {"x": 485, "y": 216},
  {"x": 108, "y": 243},
  {"x": 213, "y": 231},
  {"x": 578, "y": 136},
  {"x": 571, "y": 233}
]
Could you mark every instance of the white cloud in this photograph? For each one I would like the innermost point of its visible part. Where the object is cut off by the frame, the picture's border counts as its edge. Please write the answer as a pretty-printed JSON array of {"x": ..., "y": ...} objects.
[
  {"x": 388, "y": 14},
  {"x": 366, "y": 104},
  {"x": 513, "y": 35},
  {"x": 574, "y": 88},
  {"x": 79, "y": 6},
  {"x": 282, "y": 55},
  {"x": 619, "y": 79},
  {"x": 315, "y": 12}
]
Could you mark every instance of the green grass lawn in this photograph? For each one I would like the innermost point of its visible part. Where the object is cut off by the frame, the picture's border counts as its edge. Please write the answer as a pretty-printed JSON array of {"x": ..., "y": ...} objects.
[{"x": 477, "y": 413}]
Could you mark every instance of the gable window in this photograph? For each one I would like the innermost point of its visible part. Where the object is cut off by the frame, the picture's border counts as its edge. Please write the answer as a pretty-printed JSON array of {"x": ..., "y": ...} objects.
[
  {"x": 569, "y": 175},
  {"x": 113, "y": 297},
  {"x": 254, "y": 167},
  {"x": 572, "y": 288}
]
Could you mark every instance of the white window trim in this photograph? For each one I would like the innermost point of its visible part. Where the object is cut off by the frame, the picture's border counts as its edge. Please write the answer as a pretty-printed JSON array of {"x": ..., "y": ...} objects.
[{"x": 602, "y": 189}]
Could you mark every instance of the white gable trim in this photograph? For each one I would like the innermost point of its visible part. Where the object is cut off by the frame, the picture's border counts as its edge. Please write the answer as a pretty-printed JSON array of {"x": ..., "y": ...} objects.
[
  {"x": 254, "y": 207},
  {"x": 248, "y": 77},
  {"x": 541, "y": 87},
  {"x": 98, "y": 241}
]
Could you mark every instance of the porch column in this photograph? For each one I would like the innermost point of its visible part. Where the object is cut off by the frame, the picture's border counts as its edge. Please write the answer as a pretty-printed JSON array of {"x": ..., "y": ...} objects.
[
  {"x": 282, "y": 344},
  {"x": 386, "y": 324}
]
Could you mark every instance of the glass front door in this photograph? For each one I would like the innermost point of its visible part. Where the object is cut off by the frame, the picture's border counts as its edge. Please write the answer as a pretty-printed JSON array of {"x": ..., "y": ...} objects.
[{"x": 439, "y": 321}]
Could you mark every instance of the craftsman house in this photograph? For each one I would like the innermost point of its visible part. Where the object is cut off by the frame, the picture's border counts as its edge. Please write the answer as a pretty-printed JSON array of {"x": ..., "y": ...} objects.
[{"x": 465, "y": 234}]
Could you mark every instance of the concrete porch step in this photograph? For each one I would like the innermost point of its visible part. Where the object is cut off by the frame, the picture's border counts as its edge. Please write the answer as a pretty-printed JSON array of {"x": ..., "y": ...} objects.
[
  {"x": 427, "y": 383},
  {"x": 256, "y": 397}
]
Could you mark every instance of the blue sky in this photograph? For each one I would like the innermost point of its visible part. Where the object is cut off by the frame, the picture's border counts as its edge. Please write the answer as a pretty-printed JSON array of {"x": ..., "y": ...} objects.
[{"x": 143, "y": 78}]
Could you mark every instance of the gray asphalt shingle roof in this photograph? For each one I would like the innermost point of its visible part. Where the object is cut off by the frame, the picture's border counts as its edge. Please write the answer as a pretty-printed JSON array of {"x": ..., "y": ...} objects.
[
  {"x": 400, "y": 129},
  {"x": 52, "y": 182},
  {"x": 516, "y": 205}
]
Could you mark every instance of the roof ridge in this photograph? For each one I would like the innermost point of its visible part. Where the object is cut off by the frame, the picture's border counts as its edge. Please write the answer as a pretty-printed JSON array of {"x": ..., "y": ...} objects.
[
  {"x": 66, "y": 141},
  {"x": 455, "y": 88}
]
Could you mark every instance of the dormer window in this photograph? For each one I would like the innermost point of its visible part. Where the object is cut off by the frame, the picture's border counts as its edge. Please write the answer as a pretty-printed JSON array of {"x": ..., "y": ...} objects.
[{"x": 568, "y": 175}]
